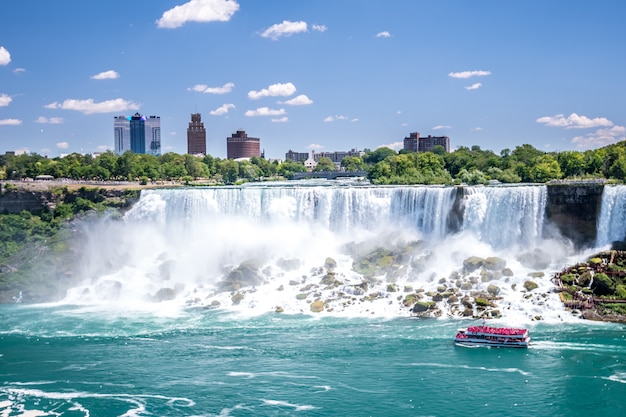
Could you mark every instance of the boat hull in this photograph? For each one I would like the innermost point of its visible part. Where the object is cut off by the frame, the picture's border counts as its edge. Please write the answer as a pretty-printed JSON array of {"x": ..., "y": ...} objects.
[{"x": 489, "y": 343}]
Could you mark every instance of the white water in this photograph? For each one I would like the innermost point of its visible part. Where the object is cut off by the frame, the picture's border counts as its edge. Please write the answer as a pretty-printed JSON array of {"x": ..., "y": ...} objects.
[
  {"x": 189, "y": 240},
  {"x": 611, "y": 224}
]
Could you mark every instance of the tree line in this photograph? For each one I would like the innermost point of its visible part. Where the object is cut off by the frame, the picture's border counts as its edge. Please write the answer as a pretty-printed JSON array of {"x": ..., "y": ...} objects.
[{"x": 524, "y": 164}]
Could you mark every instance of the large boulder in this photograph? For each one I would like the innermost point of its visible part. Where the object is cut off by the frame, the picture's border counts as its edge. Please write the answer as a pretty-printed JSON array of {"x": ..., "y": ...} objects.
[
  {"x": 493, "y": 263},
  {"x": 472, "y": 263},
  {"x": 245, "y": 275}
]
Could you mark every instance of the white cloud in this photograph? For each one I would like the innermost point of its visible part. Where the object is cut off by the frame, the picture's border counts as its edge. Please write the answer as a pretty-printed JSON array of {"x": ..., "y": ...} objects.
[
  {"x": 88, "y": 106},
  {"x": 106, "y": 75},
  {"x": 49, "y": 120},
  {"x": 63, "y": 145},
  {"x": 439, "y": 127},
  {"x": 320, "y": 28},
  {"x": 22, "y": 151},
  {"x": 286, "y": 28},
  {"x": 333, "y": 118},
  {"x": 5, "y": 56},
  {"x": 223, "y": 109},
  {"x": 198, "y": 11},
  {"x": 5, "y": 100},
  {"x": 283, "y": 119},
  {"x": 474, "y": 86},
  {"x": 315, "y": 146},
  {"x": 10, "y": 122},
  {"x": 601, "y": 137},
  {"x": 265, "y": 111},
  {"x": 469, "y": 74},
  {"x": 301, "y": 100},
  {"x": 356, "y": 119},
  {"x": 19, "y": 71},
  {"x": 574, "y": 121},
  {"x": 203, "y": 88},
  {"x": 383, "y": 34},
  {"x": 476, "y": 129},
  {"x": 394, "y": 145},
  {"x": 273, "y": 90}
]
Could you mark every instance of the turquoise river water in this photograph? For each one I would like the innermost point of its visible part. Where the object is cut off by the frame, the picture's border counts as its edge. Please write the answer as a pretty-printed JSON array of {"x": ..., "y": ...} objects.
[{"x": 76, "y": 361}]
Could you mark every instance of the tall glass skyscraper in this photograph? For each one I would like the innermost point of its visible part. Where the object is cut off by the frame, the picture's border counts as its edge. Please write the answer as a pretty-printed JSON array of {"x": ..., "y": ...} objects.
[{"x": 137, "y": 133}]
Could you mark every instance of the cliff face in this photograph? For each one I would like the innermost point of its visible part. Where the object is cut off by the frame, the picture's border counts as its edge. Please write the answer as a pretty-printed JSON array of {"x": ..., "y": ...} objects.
[
  {"x": 36, "y": 197},
  {"x": 15, "y": 201},
  {"x": 573, "y": 209}
]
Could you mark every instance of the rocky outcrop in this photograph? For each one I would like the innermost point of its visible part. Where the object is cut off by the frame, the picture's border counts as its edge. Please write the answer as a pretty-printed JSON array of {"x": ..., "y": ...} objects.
[
  {"x": 573, "y": 209},
  {"x": 597, "y": 288},
  {"x": 35, "y": 198}
]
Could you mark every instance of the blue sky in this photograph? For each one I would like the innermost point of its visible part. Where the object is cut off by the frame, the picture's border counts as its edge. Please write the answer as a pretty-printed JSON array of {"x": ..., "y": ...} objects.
[{"x": 324, "y": 75}]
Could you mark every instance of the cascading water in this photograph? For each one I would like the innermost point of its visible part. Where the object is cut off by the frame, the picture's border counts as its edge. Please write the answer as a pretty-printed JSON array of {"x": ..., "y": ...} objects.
[
  {"x": 504, "y": 217},
  {"x": 611, "y": 225},
  {"x": 356, "y": 249}
]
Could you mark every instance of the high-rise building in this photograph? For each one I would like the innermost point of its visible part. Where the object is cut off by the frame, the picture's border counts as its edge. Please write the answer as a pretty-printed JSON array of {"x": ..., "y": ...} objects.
[
  {"x": 428, "y": 143},
  {"x": 239, "y": 145},
  {"x": 137, "y": 133},
  {"x": 415, "y": 143},
  {"x": 411, "y": 142},
  {"x": 196, "y": 136}
]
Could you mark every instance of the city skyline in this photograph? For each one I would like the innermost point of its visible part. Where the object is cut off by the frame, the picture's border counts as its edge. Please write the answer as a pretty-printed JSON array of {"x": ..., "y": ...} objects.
[{"x": 313, "y": 75}]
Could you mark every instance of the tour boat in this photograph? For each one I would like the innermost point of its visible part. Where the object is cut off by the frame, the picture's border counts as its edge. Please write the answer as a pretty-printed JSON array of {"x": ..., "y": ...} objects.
[{"x": 492, "y": 336}]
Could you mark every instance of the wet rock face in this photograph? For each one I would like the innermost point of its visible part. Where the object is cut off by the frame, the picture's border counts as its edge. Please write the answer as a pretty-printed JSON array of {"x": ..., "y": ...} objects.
[{"x": 573, "y": 209}]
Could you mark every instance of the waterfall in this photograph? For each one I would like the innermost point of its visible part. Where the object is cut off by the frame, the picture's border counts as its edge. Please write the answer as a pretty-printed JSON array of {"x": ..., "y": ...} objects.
[
  {"x": 506, "y": 216},
  {"x": 272, "y": 243},
  {"x": 611, "y": 224}
]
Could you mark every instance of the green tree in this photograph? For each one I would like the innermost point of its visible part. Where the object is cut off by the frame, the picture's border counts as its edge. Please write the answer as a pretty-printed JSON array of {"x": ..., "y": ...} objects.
[
  {"x": 353, "y": 163},
  {"x": 373, "y": 157},
  {"x": 324, "y": 164},
  {"x": 230, "y": 171},
  {"x": 546, "y": 169}
]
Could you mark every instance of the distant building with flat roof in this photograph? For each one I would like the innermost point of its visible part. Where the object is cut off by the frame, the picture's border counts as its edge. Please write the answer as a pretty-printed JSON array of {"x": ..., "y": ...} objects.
[
  {"x": 337, "y": 156},
  {"x": 239, "y": 145},
  {"x": 196, "y": 136},
  {"x": 296, "y": 156},
  {"x": 415, "y": 143}
]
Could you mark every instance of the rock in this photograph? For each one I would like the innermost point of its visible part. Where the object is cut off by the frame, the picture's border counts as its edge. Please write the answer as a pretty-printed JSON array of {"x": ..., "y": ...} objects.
[
  {"x": 409, "y": 300},
  {"x": 493, "y": 263},
  {"x": 602, "y": 284},
  {"x": 421, "y": 306},
  {"x": 507, "y": 272},
  {"x": 317, "y": 306},
  {"x": 472, "y": 263},
  {"x": 330, "y": 263},
  {"x": 493, "y": 290},
  {"x": 237, "y": 298},
  {"x": 245, "y": 275},
  {"x": 279, "y": 309},
  {"x": 530, "y": 285},
  {"x": 301, "y": 296},
  {"x": 584, "y": 280}
]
